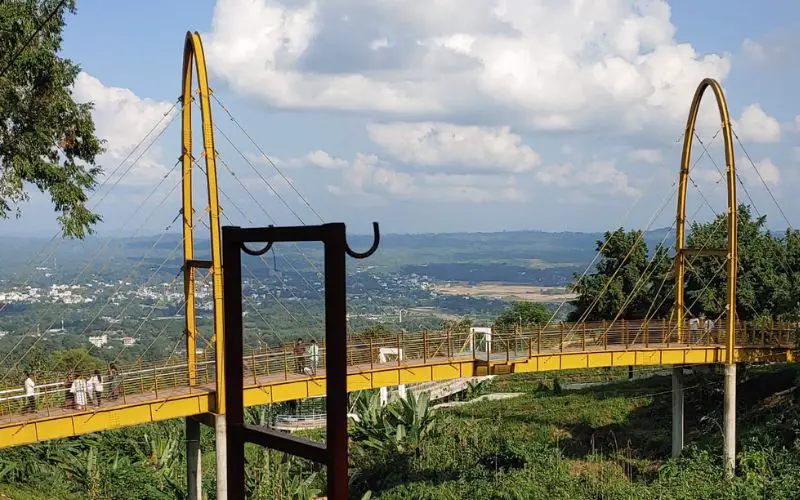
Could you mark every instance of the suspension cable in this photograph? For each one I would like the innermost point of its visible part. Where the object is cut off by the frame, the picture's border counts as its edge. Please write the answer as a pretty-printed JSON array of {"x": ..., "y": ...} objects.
[
  {"x": 239, "y": 125},
  {"x": 93, "y": 260}
]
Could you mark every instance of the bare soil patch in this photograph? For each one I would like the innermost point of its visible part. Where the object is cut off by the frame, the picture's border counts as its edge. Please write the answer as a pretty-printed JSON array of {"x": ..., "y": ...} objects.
[{"x": 505, "y": 291}]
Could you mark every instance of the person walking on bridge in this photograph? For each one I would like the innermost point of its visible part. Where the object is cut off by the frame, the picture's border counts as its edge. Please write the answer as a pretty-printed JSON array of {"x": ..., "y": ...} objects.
[
  {"x": 313, "y": 356},
  {"x": 113, "y": 380},
  {"x": 299, "y": 355},
  {"x": 78, "y": 390},
  {"x": 96, "y": 388},
  {"x": 69, "y": 397},
  {"x": 30, "y": 394}
]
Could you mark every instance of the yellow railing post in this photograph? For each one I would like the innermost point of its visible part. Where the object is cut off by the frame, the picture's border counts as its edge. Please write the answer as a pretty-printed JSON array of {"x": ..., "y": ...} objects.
[
  {"x": 399, "y": 349},
  {"x": 266, "y": 360},
  {"x": 425, "y": 347},
  {"x": 625, "y": 333},
  {"x": 370, "y": 354},
  {"x": 449, "y": 345},
  {"x": 539, "y": 341},
  {"x": 285, "y": 364},
  {"x": 561, "y": 338},
  {"x": 583, "y": 336},
  {"x": 646, "y": 333},
  {"x": 253, "y": 359},
  {"x": 205, "y": 363},
  {"x": 141, "y": 375}
]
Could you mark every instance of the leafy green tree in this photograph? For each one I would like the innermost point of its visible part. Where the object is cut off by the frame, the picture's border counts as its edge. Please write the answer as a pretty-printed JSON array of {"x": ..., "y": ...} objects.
[
  {"x": 456, "y": 326},
  {"x": 74, "y": 360},
  {"x": 522, "y": 313},
  {"x": 768, "y": 267},
  {"x": 47, "y": 139},
  {"x": 626, "y": 280},
  {"x": 375, "y": 331}
]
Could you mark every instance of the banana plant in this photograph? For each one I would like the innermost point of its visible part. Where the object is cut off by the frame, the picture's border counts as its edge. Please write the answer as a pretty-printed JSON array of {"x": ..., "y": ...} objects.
[
  {"x": 398, "y": 427},
  {"x": 81, "y": 465},
  {"x": 164, "y": 455}
]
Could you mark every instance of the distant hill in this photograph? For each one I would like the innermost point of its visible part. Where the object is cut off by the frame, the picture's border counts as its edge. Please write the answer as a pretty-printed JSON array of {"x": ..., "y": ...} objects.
[{"x": 536, "y": 257}]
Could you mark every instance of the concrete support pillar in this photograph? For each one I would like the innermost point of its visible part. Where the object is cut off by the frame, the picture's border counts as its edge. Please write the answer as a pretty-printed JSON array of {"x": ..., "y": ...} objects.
[
  {"x": 729, "y": 417},
  {"x": 677, "y": 411},
  {"x": 384, "y": 394},
  {"x": 401, "y": 389},
  {"x": 194, "y": 475},
  {"x": 222, "y": 457}
]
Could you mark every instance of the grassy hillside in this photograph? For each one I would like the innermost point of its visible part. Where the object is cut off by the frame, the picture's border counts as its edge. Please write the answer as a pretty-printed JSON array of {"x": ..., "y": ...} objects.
[{"x": 609, "y": 441}]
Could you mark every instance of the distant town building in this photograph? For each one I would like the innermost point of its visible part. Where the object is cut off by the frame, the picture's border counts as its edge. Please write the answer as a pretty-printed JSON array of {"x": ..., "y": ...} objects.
[{"x": 99, "y": 341}]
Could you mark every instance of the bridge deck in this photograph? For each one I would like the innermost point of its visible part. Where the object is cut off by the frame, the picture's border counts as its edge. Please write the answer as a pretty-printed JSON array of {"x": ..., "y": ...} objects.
[{"x": 151, "y": 394}]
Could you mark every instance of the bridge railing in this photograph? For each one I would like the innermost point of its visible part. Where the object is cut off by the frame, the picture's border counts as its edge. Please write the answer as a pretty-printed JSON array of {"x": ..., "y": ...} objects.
[{"x": 140, "y": 381}]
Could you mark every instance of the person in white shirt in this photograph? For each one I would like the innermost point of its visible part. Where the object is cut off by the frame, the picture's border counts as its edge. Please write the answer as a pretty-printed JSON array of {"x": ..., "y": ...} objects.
[
  {"x": 96, "y": 388},
  {"x": 694, "y": 325},
  {"x": 313, "y": 356},
  {"x": 78, "y": 389},
  {"x": 30, "y": 394}
]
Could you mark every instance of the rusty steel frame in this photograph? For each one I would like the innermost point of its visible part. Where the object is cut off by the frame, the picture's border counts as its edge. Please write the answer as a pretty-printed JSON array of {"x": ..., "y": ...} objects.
[{"x": 334, "y": 455}]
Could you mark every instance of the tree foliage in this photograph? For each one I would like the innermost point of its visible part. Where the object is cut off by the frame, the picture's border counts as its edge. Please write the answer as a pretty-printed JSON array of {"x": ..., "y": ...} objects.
[
  {"x": 456, "y": 326},
  {"x": 768, "y": 270},
  {"x": 522, "y": 313},
  {"x": 48, "y": 140},
  {"x": 642, "y": 285},
  {"x": 625, "y": 279}
]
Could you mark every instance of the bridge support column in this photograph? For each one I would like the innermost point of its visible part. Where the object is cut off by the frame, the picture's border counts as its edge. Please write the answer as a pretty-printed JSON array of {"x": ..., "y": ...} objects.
[
  {"x": 384, "y": 394},
  {"x": 677, "y": 411},
  {"x": 194, "y": 476},
  {"x": 220, "y": 430},
  {"x": 729, "y": 417}
]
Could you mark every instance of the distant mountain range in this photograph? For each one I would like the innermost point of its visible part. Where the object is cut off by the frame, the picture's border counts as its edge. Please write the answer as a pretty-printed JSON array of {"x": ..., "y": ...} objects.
[{"x": 396, "y": 250}]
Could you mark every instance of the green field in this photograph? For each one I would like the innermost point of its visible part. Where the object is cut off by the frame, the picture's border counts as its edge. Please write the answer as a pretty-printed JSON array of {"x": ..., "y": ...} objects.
[{"x": 609, "y": 441}]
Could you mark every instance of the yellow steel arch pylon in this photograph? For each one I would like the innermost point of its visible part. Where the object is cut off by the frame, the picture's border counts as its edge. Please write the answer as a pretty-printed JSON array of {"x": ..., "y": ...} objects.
[
  {"x": 193, "y": 52},
  {"x": 730, "y": 253}
]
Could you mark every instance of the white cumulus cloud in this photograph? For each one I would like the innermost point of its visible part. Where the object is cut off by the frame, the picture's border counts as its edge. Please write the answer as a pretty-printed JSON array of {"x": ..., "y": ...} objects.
[
  {"x": 374, "y": 180},
  {"x": 436, "y": 144},
  {"x": 765, "y": 170},
  {"x": 595, "y": 176},
  {"x": 317, "y": 158},
  {"x": 756, "y": 125},
  {"x": 565, "y": 65},
  {"x": 652, "y": 156},
  {"x": 123, "y": 119}
]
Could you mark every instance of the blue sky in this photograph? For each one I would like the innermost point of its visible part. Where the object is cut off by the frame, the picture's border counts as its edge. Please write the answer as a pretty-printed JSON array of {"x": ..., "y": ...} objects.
[{"x": 436, "y": 116}]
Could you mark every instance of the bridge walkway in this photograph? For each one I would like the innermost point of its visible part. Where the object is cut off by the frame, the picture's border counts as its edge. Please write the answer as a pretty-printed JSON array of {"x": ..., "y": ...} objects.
[{"x": 151, "y": 394}]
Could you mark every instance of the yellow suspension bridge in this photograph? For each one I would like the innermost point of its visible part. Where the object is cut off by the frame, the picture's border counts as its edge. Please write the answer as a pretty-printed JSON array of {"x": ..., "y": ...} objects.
[
  {"x": 195, "y": 386},
  {"x": 156, "y": 392}
]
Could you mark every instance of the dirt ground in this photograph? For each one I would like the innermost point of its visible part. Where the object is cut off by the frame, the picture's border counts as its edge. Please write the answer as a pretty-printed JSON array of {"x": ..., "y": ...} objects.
[{"x": 506, "y": 291}]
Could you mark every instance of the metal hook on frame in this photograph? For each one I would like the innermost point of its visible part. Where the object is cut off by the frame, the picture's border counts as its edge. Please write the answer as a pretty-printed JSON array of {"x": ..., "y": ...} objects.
[
  {"x": 258, "y": 253},
  {"x": 376, "y": 240}
]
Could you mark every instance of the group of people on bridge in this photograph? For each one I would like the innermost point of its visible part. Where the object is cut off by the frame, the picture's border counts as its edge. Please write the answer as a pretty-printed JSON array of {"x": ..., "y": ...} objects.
[
  {"x": 306, "y": 354},
  {"x": 694, "y": 326},
  {"x": 79, "y": 391}
]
